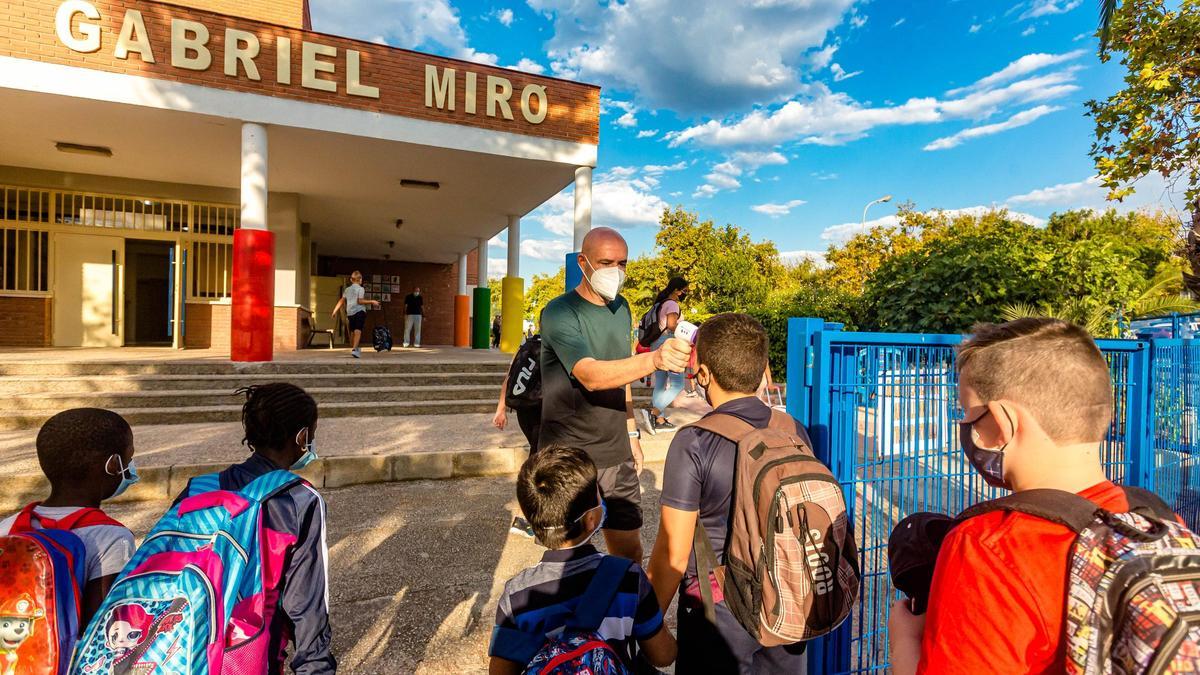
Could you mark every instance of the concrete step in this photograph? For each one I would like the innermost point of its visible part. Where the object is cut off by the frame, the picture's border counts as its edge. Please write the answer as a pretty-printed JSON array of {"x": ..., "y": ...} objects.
[
  {"x": 56, "y": 401},
  {"x": 176, "y": 383},
  {"x": 331, "y": 366}
]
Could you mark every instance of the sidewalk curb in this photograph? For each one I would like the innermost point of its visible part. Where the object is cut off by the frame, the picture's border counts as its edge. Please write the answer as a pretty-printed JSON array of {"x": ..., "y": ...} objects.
[{"x": 164, "y": 482}]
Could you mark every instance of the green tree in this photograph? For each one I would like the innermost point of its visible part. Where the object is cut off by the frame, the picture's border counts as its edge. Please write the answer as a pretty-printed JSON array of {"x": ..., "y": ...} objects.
[
  {"x": 542, "y": 289},
  {"x": 1152, "y": 125}
]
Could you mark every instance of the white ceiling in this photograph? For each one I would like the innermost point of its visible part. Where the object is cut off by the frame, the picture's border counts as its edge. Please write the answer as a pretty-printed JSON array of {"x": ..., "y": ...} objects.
[{"x": 349, "y": 186}]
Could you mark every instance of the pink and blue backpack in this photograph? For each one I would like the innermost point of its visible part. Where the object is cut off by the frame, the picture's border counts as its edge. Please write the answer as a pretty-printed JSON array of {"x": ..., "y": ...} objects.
[
  {"x": 579, "y": 648},
  {"x": 199, "y": 594}
]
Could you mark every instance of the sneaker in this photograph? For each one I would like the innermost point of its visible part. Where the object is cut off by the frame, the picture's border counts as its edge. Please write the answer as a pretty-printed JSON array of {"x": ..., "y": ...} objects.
[
  {"x": 417, "y": 346},
  {"x": 405, "y": 345},
  {"x": 521, "y": 526},
  {"x": 664, "y": 425},
  {"x": 647, "y": 420},
  {"x": 356, "y": 353}
]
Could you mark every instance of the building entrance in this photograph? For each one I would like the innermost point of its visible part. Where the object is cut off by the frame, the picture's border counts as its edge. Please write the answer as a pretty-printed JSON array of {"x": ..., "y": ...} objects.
[{"x": 147, "y": 292}]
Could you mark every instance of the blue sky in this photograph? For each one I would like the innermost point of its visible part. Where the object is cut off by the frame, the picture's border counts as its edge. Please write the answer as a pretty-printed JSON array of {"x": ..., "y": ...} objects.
[{"x": 785, "y": 117}]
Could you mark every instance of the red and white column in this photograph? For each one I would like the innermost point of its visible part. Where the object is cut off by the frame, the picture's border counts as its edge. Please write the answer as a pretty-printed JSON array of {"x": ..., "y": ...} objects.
[{"x": 252, "y": 315}]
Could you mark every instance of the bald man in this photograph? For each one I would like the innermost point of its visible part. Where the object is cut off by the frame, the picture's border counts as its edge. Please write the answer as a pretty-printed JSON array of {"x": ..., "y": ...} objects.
[{"x": 586, "y": 371}]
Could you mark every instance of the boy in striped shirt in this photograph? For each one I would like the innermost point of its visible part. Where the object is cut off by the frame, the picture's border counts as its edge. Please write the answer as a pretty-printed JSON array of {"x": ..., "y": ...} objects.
[{"x": 560, "y": 498}]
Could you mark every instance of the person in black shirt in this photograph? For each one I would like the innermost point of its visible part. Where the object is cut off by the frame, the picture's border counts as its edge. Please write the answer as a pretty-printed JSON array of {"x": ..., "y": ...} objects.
[{"x": 413, "y": 309}]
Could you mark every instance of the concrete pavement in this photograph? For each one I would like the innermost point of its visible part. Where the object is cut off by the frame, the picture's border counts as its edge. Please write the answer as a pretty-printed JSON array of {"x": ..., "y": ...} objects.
[{"x": 417, "y": 567}]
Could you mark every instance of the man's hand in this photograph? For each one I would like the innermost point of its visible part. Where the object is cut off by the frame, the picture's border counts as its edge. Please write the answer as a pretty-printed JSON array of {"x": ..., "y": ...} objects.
[
  {"x": 500, "y": 419},
  {"x": 635, "y": 447},
  {"x": 905, "y": 631},
  {"x": 673, "y": 355}
]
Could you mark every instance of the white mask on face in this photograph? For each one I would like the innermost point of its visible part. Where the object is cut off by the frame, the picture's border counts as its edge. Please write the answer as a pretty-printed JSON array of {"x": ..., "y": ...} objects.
[{"x": 606, "y": 282}]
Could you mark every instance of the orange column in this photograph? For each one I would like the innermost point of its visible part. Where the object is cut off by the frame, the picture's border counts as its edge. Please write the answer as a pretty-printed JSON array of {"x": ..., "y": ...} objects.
[{"x": 462, "y": 321}]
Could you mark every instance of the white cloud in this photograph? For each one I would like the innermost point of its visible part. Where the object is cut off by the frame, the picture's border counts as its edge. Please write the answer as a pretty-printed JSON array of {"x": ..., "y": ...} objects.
[
  {"x": 1081, "y": 36},
  {"x": 1063, "y": 194},
  {"x": 504, "y": 16},
  {"x": 824, "y": 175},
  {"x": 1152, "y": 192},
  {"x": 545, "y": 249},
  {"x": 1029, "y": 31},
  {"x": 428, "y": 25},
  {"x": 828, "y": 118},
  {"x": 821, "y": 58},
  {"x": 723, "y": 57},
  {"x": 1048, "y": 7},
  {"x": 647, "y": 133},
  {"x": 530, "y": 66},
  {"x": 724, "y": 174},
  {"x": 619, "y": 172},
  {"x": 899, "y": 22},
  {"x": 858, "y": 20},
  {"x": 776, "y": 210},
  {"x": 1018, "y": 120},
  {"x": 497, "y": 268},
  {"x": 838, "y": 234},
  {"x": 1019, "y": 68},
  {"x": 796, "y": 257},
  {"x": 840, "y": 74},
  {"x": 628, "y": 119},
  {"x": 975, "y": 28},
  {"x": 618, "y": 200},
  {"x": 654, "y": 169}
]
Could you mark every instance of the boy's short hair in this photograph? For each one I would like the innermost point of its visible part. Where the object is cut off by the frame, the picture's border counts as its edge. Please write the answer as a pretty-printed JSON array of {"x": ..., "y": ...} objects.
[
  {"x": 1051, "y": 366},
  {"x": 734, "y": 347},
  {"x": 73, "y": 442},
  {"x": 556, "y": 486}
]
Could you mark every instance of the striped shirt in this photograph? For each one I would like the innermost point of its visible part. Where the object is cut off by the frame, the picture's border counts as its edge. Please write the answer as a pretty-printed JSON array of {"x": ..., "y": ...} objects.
[{"x": 540, "y": 600}]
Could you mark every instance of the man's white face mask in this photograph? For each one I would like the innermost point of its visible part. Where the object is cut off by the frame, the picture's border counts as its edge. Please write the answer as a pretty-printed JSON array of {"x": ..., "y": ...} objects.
[{"x": 606, "y": 282}]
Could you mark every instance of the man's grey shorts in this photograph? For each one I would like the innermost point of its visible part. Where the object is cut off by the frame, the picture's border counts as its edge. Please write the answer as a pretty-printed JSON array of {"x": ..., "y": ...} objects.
[{"x": 622, "y": 493}]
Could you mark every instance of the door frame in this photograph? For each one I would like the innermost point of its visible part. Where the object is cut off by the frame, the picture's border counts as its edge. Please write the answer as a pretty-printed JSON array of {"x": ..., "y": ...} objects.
[{"x": 118, "y": 300}]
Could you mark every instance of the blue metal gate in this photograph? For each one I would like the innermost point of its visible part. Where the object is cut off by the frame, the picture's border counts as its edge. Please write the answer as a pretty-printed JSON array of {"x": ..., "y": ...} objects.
[{"x": 882, "y": 410}]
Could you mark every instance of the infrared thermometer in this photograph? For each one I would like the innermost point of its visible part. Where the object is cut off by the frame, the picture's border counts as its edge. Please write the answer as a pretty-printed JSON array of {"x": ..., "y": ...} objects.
[{"x": 686, "y": 330}]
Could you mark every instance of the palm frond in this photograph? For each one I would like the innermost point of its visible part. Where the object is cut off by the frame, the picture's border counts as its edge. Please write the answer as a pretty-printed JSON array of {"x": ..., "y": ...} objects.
[
  {"x": 1163, "y": 305},
  {"x": 1107, "y": 9},
  {"x": 1021, "y": 310}
]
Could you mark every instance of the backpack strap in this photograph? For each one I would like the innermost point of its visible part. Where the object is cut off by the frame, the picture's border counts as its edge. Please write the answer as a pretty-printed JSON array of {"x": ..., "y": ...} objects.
[
  {"x": 1146, "y": 503},
  {"x": 595, "y": 601},
  {"x": 706, "y": 564},
  {"x": 1058, "y": 506},
  {"x": 205, "y": 483},
  {"x": 724, "y": 425},
  {"x": 270, "y": 484},
  {"x": 84, "y": 517}
]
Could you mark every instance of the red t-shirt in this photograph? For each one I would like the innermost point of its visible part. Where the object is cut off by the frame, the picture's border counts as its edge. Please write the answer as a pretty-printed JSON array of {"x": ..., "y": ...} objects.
[{"x": 998, "y": 594}]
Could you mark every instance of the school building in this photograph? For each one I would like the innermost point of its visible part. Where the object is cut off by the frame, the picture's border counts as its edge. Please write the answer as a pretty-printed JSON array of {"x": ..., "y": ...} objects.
[{"x": 206, "y": 173}]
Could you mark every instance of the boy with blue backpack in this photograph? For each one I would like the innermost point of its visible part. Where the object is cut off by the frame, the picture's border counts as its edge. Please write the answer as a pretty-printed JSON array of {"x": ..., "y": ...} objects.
[
  {"x": 59, "y": 557},
  {"x": 235, "y": 570},
  {"x": 577, "y": 610}
]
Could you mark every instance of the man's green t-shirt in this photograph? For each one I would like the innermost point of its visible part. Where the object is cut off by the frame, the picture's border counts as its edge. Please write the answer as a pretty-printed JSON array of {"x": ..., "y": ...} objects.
[{"x": 593, "y": 421}]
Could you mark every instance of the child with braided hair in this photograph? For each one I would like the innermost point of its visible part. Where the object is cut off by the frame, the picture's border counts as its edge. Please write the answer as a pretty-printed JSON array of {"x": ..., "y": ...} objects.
[{"x": 280, "y": 422}]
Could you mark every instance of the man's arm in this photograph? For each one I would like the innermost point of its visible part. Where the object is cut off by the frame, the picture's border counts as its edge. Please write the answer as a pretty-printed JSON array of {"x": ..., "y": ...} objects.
[
  {"x": 904, "y": 638},
  {"x": 500, "y": 419},
  {"x": 341, "y": 301},
  {"x": 672, "y": 549},
  {"x": 596, "y": 375}
]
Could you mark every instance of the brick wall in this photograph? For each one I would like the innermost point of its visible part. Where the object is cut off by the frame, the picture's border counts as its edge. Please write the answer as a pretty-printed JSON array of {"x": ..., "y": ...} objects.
[
  {"x": 25, "y": 322},
  {"x": 208, "y": 327},
  {"x": 288, "y": 13},
  {"x": 438, "y": 285},
  {"x": 27, "y": 31}
]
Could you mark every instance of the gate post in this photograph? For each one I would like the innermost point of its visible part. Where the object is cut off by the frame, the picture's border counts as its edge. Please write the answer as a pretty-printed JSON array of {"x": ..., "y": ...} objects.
[
  {"x": 1140, "y": 416},
  {"x": 800, "y": 351}
]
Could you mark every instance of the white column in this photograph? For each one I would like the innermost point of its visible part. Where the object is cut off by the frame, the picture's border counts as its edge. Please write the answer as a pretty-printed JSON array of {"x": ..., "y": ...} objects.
[
  {"x": 254, "y": 176},
  {"x": 462, "y": 274},
  {"x": 514, "y": 246},
  {"x": 482, "y": 264},
  {"x": 583, "y": 204}
]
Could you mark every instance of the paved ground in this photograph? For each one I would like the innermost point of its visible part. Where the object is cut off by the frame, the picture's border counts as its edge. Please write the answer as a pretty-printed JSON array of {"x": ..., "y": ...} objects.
[
  {"x": 416, "y": 568},
  {"x": 174, "y": 444}
]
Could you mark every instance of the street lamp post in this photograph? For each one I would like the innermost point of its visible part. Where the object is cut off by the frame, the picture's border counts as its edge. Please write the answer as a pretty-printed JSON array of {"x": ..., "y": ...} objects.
[{"x": 882, "y": 200}]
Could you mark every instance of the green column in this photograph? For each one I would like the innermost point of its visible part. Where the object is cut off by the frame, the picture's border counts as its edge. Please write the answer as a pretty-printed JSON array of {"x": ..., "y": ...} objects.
[{"x": 481, "y": 335}]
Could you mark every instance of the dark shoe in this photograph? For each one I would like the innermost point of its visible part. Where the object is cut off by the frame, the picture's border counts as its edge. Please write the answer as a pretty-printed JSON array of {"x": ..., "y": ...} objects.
[
  {"x": 521, "y": 526},
  {"x": 664, "y": 425}
]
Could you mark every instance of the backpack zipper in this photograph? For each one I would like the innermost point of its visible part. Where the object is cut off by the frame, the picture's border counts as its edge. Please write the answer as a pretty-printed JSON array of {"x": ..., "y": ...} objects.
[
  {"x": 758, "y": 479},
  {"x": 190, "y": 535},
  {"x": 1167, "y": 649},
  {"x": 208, "y": 587}
]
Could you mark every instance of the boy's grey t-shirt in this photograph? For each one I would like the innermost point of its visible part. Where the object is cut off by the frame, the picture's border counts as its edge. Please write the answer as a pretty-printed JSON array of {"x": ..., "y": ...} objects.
[{"x": 353, "y": 295}]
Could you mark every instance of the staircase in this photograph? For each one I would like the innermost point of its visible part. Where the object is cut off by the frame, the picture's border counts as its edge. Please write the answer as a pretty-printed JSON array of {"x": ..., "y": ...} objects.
[{"x": 179, "y": 392}]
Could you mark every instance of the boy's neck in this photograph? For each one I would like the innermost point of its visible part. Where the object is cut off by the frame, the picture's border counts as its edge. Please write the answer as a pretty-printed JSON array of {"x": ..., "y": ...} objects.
[
  {"x": 719, "y": 397},
  {"x": 1071, "y": 468},
  {"x": 59, "y": 498}
]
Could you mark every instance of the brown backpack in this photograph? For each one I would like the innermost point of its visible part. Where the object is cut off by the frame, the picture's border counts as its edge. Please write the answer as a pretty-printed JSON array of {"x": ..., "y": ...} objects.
[{"x": 791, "y": 567}]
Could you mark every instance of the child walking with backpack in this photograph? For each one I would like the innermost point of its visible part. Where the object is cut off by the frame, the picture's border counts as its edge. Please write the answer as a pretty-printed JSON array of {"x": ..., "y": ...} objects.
[
  {"x": 236, "y": 571},
  {"x": 577, "y": 611},
  {"x": 60, "y": 556},
  {"x": 754, "y": 581},
  {"x": 1069, "y": 573}
]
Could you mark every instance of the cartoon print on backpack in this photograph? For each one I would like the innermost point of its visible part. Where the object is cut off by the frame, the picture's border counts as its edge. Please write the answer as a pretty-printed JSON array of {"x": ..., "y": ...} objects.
[
  {"x": 131, "y": 643},
  {"x": 17, "y": 623}
]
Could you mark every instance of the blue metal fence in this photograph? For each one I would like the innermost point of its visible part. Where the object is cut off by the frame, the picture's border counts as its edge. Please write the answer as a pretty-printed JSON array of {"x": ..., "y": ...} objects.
[{"x": 882, "y": 410}]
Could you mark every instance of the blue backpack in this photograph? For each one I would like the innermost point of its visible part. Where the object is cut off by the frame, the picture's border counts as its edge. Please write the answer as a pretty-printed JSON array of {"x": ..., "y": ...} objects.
[
  {"x": 199, "y": 593},
  {"x": 580, "y": 648}
]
